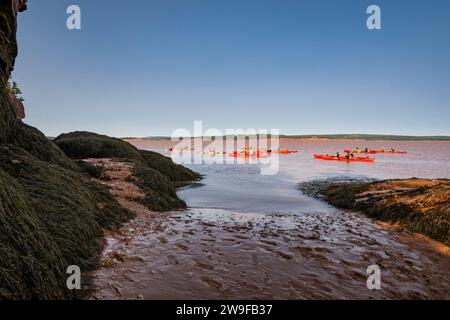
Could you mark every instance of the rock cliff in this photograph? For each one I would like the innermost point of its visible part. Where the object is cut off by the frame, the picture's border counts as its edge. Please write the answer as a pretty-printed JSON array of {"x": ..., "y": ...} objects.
[{"x": 52, "y": 212}]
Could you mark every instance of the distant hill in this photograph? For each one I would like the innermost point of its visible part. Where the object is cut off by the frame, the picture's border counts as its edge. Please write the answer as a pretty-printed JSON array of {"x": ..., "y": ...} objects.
[
  {"x": 341, "y": 137},
  {"x": 369, "y": 137}
]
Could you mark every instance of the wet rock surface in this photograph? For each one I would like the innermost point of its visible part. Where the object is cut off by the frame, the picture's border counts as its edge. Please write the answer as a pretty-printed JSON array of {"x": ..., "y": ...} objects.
[{"x": 419, "y": 205}]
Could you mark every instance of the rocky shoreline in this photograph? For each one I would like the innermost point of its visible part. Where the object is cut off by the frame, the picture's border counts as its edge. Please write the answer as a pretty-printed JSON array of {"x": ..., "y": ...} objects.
[
  {"x": 53, "y": 211},
  {"x": 417, "y": 205},
  {"x": 57, "y": 209}
]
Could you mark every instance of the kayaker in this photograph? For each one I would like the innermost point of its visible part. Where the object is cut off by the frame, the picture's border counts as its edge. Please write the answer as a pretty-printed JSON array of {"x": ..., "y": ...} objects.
[
  {"x": 366, "y": 150},
  {"x": 337, "y": 155},
  {"x": 392, "y": 150}
]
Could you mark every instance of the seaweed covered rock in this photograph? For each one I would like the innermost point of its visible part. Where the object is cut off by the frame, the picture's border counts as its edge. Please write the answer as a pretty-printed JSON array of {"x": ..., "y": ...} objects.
[
  {"x": 37, "y": 144},
  {"x": 82, "y": 145},
  {"x": 175, "y": 172},
  {"x": 419, "y": 205},
  {"x": 30, "y": 261},
  {"x": 63, "y": 215},
  {"x": 159, "y": 191},
  {"x": 51, "y": 215},
  {"x": 155, "y": 174}
]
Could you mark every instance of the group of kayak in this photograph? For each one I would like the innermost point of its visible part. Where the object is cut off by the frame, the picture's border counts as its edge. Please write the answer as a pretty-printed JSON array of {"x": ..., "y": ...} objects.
[
  {"x": 245, "y": 152},
  {"x": 350, "y": 155},
  {"x": 258, "y": 152},
  {"x": 382, "y": 150}
]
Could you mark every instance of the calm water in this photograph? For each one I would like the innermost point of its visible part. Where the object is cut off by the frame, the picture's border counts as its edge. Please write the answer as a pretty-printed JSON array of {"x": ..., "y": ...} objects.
[{"x": 241, "y": 188}]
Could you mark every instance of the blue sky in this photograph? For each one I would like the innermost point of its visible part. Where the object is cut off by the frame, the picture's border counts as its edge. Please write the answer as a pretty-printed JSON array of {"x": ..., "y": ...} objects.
[{"x": 146, "y": 67}]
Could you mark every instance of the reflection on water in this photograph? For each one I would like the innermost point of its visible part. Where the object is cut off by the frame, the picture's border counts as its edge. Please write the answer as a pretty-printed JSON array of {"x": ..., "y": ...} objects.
[
  {"x": 252, "y": 236},
  {"x": 242, "y": 188}
]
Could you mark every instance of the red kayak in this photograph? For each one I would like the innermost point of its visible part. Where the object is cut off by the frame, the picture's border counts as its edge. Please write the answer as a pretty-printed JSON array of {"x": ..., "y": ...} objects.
[
  {"x": 375, "y": 151},
  {"x": 335, "y": 158}
]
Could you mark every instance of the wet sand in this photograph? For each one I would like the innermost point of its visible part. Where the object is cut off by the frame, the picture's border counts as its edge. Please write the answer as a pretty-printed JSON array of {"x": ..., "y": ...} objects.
[{"x": 220, "y": 254}]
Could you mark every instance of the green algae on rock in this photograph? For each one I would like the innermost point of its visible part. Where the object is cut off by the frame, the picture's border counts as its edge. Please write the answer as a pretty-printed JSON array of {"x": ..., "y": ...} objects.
[
  {"x": 156, "y": 174},
  {"x": 418, "y": 205},
  {"x": 82, "y": 145},
  {"x": 69, "y": 210}
]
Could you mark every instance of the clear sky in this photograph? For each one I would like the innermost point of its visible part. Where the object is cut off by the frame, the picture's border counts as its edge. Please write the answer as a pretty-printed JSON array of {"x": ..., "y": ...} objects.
[{"x": 147, "y": 67}]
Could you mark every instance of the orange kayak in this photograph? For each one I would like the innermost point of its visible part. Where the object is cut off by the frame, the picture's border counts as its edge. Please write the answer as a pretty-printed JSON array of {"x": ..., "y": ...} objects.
[{"x": 334, "y": 158}]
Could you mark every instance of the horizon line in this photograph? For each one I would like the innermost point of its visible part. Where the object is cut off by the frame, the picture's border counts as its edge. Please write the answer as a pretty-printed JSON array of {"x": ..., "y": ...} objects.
[{"x": 352, "y": 136}]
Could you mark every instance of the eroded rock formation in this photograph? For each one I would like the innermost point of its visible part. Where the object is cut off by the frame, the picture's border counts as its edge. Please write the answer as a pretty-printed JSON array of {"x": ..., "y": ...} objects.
[
  {"x": 21, "y": 5},
  {"x": 8, "y": 53},
  {"x": 8, "y": 28},
  {"x": 18, "y": 107}
]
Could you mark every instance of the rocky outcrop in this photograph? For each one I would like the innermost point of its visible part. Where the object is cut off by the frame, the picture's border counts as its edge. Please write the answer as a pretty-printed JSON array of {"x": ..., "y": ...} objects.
[
  {"x": 156, "y": 175},
  {"x": 21, "y": 5},
  {"x": 8, "y": 53},
  {"x": 418, "y": 205},
  {"x": 52, "y": 212},
  {"x": 82, "y": 145},
  {"x": 8, "y": 28},
  {"x": 17, "y": 106}
]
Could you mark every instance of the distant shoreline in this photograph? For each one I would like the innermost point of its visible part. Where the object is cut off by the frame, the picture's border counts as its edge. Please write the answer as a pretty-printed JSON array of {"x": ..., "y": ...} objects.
[{"x": 336, "y": 137}]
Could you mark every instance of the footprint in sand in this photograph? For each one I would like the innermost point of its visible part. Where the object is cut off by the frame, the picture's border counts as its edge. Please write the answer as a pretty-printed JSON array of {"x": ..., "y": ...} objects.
[
  {"x": 211, "y": 282},
  {"x": 205, "y": 266},
  {"x": 181, "y": 246},
  {"x": 284, "y": 255},
  {"x": 162, "y": 239},
  {"x": 172, "y": 260}
]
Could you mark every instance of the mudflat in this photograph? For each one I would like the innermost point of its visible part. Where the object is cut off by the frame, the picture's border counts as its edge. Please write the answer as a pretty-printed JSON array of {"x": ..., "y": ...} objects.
[{"x": 210, "y": 253}]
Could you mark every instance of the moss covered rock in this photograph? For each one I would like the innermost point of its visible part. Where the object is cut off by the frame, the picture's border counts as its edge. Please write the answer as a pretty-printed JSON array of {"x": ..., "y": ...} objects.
[
  {"x": 175, "y": 172},
  {"x": 30, "y": 261},
  {"x": 82, "y": 145},
  {"x": 157, "y": 175},
  {"x": 38, "y": 145},
  {"x": 52, "y": 217},
  {"x": 418, "y": 205}
]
